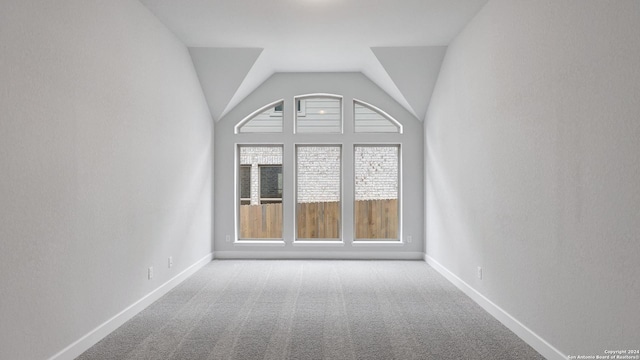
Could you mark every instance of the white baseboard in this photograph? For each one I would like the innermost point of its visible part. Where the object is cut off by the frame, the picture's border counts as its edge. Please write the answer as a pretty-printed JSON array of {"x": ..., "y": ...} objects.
[
  {"x": 534, "y": 340},
  {"x": 81, "y": 345},
  {"x": 325, "y": 255}
]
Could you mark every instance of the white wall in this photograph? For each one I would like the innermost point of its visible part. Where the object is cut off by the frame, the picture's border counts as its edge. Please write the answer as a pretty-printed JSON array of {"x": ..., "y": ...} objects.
[
  {"x": 533, "y": 172},
  {"x": 349, "y": 85},
  {"x": 105, "y": 167}
]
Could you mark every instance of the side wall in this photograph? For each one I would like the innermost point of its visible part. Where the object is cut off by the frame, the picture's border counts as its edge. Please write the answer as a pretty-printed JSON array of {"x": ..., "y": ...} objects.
[
  {"x": 105, "y": 167},
  {"x": 533, "y": 169}
]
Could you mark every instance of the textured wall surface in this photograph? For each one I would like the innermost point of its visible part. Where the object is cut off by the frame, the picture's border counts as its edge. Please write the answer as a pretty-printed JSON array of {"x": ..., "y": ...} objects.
[
  {"x": 533, "y": 169},
  {"x": 105, "y": 167}
]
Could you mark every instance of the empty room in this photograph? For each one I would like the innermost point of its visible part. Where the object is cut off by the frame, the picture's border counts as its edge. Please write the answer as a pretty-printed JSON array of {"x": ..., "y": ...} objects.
[{"x": 319, "y": 179}]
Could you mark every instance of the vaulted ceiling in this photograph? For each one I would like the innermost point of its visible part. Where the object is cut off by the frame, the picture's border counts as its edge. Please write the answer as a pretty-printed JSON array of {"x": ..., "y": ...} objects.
[{"x": 237, "y": 44}]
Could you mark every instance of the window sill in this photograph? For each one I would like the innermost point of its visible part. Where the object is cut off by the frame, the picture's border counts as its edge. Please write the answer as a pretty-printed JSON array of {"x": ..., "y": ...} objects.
[
  {"x": 318, "y": 243},
  {"x": 377, "y": 242},
  {"x": 259, "y": 242}
]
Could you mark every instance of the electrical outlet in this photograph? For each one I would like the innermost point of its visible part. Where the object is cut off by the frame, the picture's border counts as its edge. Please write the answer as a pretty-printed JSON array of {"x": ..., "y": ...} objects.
[
  {"x": 228, "y": 239},
  {"x": 409, "y": 239},
  {"x": 480, "y": 272},
  {"x": 150, "y": 272},
  {"x": 170, "y": 262}
]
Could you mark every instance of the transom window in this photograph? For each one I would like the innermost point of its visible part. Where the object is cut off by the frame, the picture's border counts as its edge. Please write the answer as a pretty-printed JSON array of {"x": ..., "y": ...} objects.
[
  {"x": 369, "y": 119},
  {"x": 323, "y": 114},
  {"x": 264, "y": 120}
]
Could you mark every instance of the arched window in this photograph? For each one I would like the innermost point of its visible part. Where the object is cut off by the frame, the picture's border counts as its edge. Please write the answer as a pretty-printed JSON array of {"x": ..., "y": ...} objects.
[
  {"x": 323, "y": 114},
  {"x": 319, "y": 182},
  {"x": 267, "y": 119},
  {"x": 369, "y": 119}
]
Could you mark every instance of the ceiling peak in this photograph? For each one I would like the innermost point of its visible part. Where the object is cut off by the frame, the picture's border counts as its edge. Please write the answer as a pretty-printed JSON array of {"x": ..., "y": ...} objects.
[{"x": 414, "y": 70}]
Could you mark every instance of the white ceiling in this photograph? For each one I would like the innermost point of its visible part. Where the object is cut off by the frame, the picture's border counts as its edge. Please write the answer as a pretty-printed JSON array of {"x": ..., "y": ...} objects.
[{"x": 318, "y": 36}]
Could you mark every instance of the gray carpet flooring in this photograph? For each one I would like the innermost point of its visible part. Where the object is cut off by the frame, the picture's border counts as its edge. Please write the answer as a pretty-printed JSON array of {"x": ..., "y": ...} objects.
[{"x": 313, "y": 309}]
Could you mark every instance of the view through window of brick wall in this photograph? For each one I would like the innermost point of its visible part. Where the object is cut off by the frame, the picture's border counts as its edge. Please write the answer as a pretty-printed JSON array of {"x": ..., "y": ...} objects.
[
  {"x": 376, "y": 192},
  {"x": 318, "y": 178},
  {"x": 261, "y": 182}
]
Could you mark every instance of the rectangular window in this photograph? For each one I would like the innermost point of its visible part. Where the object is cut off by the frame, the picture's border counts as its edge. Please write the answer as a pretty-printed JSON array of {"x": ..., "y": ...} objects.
[
  {"x": 270, "y": 184},
  {"x": 260, "y": 192},
  {"x": 245, "y": 184},
  {"x": 376, "y": 178},
  {"x": 318, "y": 192}
]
